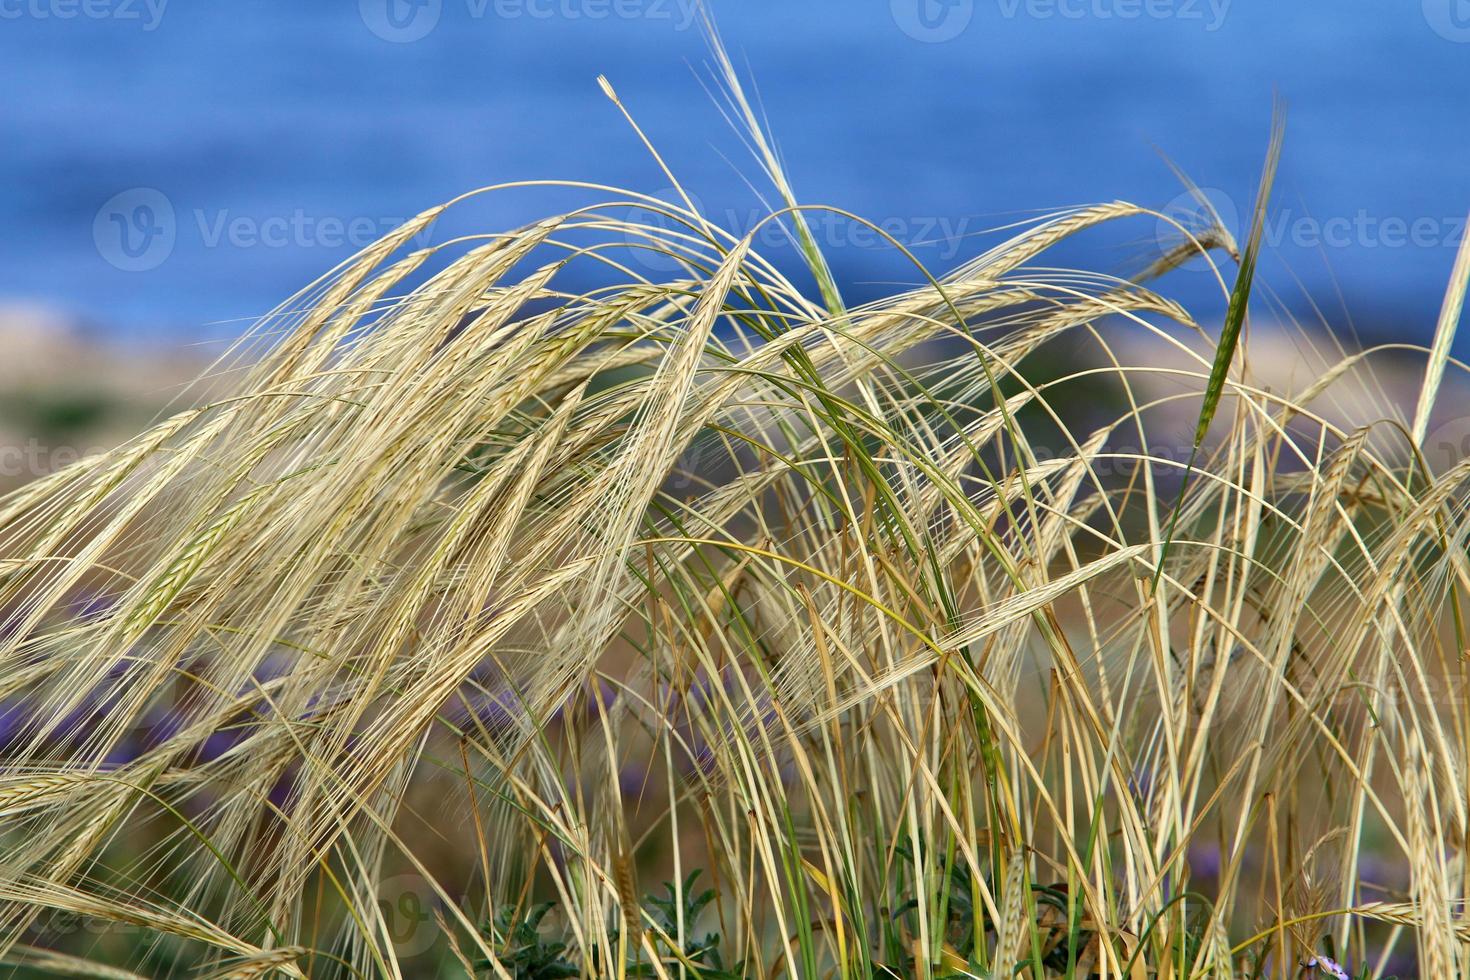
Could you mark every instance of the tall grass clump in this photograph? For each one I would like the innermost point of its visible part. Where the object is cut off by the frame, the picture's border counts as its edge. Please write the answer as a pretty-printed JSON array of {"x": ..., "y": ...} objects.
[{"x": 701, "y": 625}]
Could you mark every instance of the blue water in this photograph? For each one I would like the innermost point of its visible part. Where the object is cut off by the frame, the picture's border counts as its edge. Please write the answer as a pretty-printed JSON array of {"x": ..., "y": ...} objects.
[{"x": 305, "y": 127}]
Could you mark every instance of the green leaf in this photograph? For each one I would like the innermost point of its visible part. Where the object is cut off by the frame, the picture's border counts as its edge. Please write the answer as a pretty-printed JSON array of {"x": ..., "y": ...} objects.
[{"x": 1234, "y": 322}]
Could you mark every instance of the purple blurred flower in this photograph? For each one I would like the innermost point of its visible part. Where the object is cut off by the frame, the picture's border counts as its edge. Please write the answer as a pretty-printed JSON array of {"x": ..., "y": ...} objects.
[
  {"x": 219, "y": 742},
  {"x": 633, "y": 781},
  {"x": 1204, "y": 861},
  {"x": 91, "y": 604},
  {"x": 280, "y": 793},
  {"x": 160, "y": 726},
  {"x": 1329, "y": 966},
  {"x": 476, "y": 708},
  {"x": 1141, "y": 783},
  {"x": 273, "y": 666},
  {"x": 596, "y": 697},
  {"x": 1383, "y": 873},
  {"x": 14, "y": 720},
  {"x": 125, "y": 751}
]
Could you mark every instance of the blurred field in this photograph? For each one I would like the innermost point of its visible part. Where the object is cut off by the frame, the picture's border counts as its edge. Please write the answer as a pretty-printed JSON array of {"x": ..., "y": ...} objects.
[{"x": 68, "y": 391}]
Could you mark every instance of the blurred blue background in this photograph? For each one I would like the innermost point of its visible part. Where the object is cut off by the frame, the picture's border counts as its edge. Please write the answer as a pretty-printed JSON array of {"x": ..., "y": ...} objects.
[{"x": 172, "y": 170}]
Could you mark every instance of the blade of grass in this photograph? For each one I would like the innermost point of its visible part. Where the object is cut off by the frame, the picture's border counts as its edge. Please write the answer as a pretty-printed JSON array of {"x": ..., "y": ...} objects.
[{"x": 1231, "y": 331}]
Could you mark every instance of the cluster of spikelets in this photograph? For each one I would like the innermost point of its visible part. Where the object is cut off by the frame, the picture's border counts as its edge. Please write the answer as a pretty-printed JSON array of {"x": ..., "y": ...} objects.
[{"x": 488, "y": 590}]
